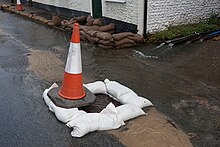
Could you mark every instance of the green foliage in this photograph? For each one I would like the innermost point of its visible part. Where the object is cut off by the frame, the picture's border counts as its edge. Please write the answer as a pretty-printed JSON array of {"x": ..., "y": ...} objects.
[
  {"x": 185, "y": 30},
  {"x": 213, "y": 19}
]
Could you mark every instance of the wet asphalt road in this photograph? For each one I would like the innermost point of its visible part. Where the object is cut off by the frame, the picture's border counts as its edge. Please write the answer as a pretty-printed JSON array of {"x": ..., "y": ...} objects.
[
  {"x": 183, "y": 82},
  {"x": 25, "y": 119}
]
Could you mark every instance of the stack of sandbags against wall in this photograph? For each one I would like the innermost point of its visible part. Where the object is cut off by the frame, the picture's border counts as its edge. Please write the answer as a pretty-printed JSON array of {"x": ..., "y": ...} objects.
[
  {"x": 91, "y": 37},
  {"x": 105, "y": 40},
  {"x": 88, "y": 33},
  {"x": 121, "y": 40},
  {"x": 110, "y": 28},
  {"x": 126, "y": 40}
]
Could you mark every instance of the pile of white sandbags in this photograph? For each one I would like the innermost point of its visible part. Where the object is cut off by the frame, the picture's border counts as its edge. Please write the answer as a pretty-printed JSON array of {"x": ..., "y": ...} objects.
[{"x": 109, "y": 118}]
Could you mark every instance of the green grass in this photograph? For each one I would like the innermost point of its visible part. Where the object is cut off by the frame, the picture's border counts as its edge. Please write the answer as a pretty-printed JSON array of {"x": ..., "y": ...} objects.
[{"x": 185, "y": 30}]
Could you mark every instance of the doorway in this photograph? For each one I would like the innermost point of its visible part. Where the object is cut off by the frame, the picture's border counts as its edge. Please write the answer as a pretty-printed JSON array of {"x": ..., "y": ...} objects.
[{"x": 97, "y": 8}]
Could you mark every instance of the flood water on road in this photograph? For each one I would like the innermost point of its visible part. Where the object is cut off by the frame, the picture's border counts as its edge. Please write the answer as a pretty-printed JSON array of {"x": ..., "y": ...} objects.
[
  {"x": 27, "y": 53},
  {"x": 182, "y": 82}
]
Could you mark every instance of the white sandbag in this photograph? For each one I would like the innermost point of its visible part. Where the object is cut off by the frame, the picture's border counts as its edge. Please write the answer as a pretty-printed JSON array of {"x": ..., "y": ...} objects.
[
  {"x": 62, "y": 114},
  {"x": 129, "y": 111},
  {"x": 97, "y": 87},
  {"x": 84, "y": 124},
  {"x": 125, "y": 95},
  {"x": 132, "y": 98},
  {"x": 89, "y": 122},
  {"x": 115, "y": 89},
  {"x": 111, "y": 120}
]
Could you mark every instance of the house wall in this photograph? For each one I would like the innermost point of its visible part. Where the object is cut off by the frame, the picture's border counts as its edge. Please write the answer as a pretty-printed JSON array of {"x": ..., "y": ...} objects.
[
  {"x": 165, "y": 13},
  {"x": 79, "y": 5},
  {"x": 131, "y": 12},
  {"x": 160, "y": 13}
]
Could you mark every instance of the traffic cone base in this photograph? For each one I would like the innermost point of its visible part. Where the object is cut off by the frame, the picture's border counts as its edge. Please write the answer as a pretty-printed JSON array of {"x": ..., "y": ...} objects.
[
  {"x": 71, "y": 103},
  {"x": 72, "y": 87}
]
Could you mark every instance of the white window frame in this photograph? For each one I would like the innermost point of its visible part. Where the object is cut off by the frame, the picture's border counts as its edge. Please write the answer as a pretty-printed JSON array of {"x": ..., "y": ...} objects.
[{"x": 116, "y": 1}]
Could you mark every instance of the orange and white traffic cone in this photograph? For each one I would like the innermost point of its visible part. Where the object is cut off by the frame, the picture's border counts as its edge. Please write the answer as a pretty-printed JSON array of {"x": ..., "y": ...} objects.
[
  {"x": 72, "y": 86},
  {"x": 19, "y": 6}
]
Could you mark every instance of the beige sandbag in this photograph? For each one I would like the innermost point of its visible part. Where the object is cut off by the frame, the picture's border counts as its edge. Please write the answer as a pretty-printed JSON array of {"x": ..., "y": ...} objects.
[
  {"x": 31, "y": 16},
  {"x": 89, "y": 28},
  {"x": 105, "y": 46},
  {"x": 39, "y": 18},
  {"x": 83, "y": 38},
  {"x": 103, "y": 42},
  {"x": 50, "y": 23},
  {"x": 5, "y": 6},
  {"x": 81, "y": 19},
  {"x": 104, "y": 36},
  {"x": 137, "y": 38},
  {"x": 129, "y": 45},
  {"x": 1, "y": 5},
  {"x": 72, "y": 20},
  {"x": 98, "y": 22},
  {"x": 108, "y": 27},
  {"x": 89, "y": 20},
  {"x": 111, "y": 31},
  {"x": 121, "y": 36},
  {"x": 96, "y": 40},
  {"x": 27, "y": 14},
  {"x": 82, "y": 33},
  {"x": 89, "y": 23},
  {"x": 89, "y": 38},
  {"x": 56, "y": 21},
  {"x": 92, "y": 33},
  {"x": 124, "y": 41},
  {"x": 11, "y": 9}
]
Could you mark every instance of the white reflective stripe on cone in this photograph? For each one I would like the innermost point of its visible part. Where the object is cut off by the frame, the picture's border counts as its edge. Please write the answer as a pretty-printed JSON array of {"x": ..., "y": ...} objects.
[
  {"x": 18, "y": 2},
  {"x": 74, "y": 62}
]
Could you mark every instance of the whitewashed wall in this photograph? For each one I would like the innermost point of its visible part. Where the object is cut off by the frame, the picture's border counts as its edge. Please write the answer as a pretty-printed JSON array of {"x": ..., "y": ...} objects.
[
  {"x": 132, "y": 12},
  {"x": 80, "y": 5},
  {"x": 161, "y": 13},
  {"x": 165, "y": 13}
]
